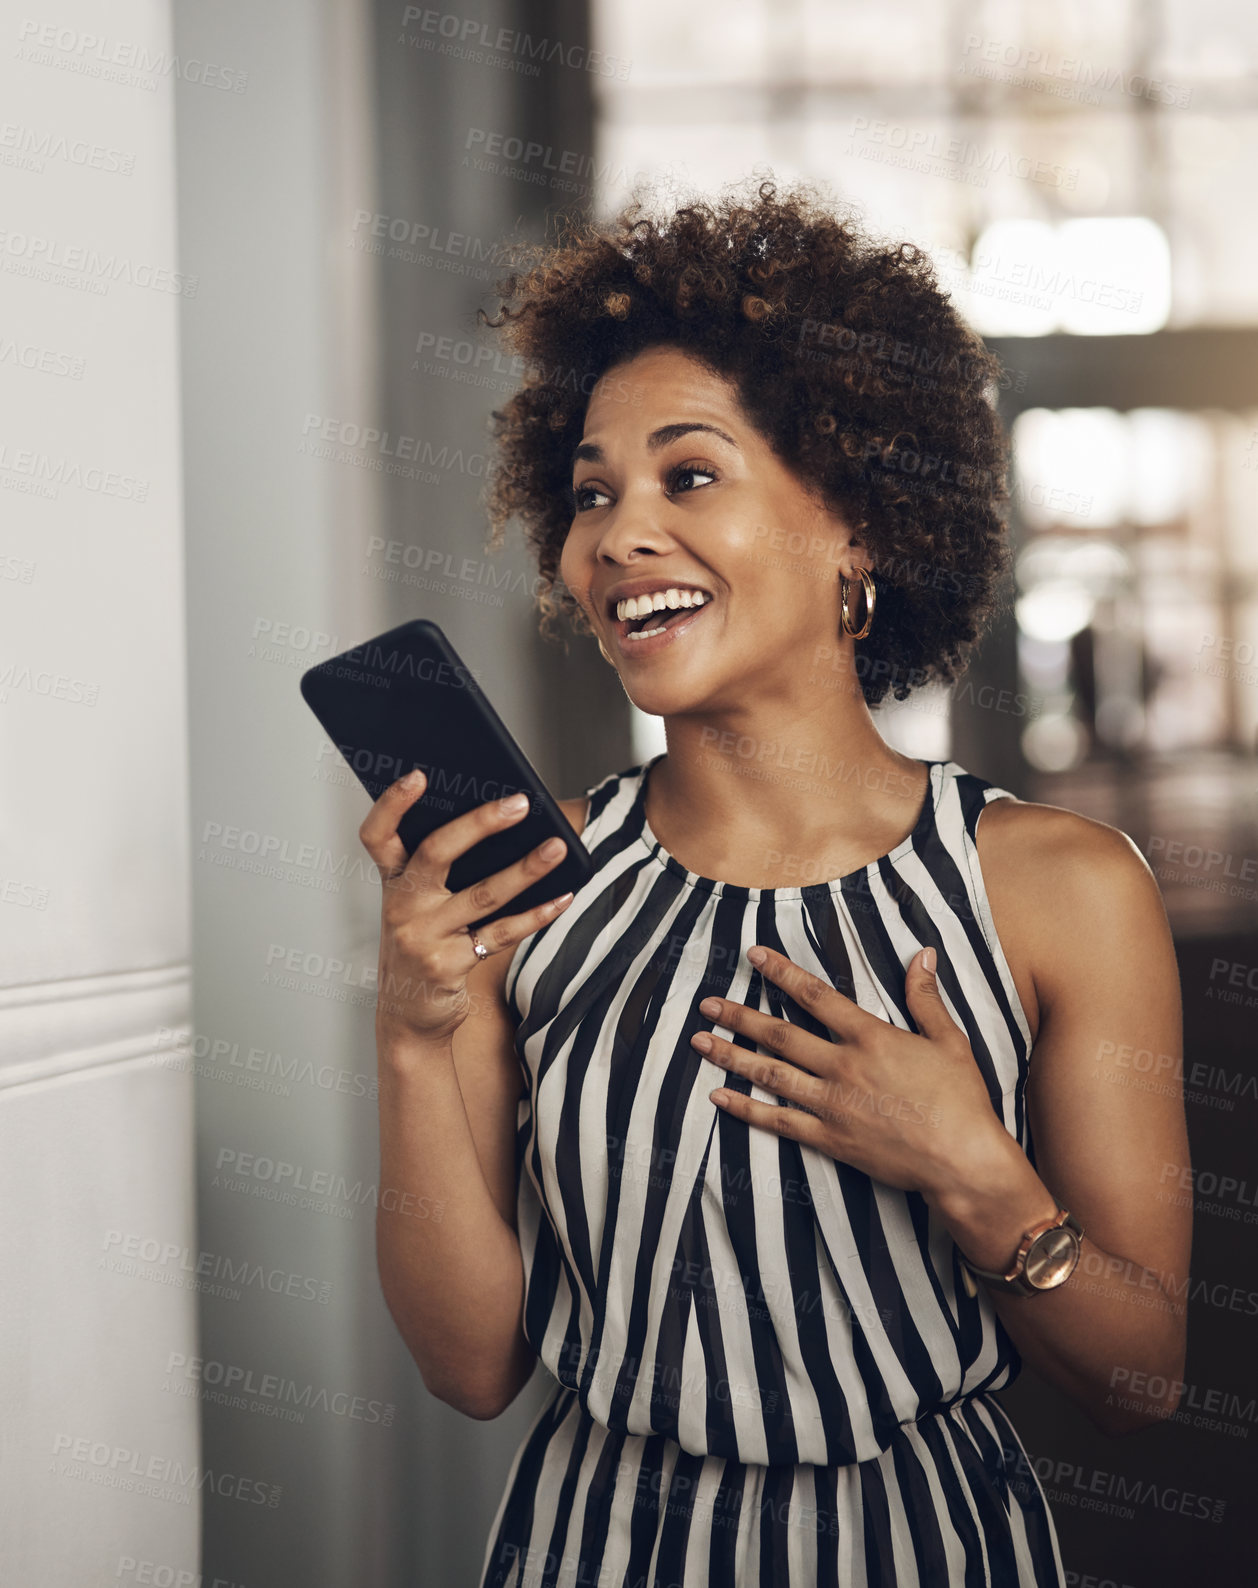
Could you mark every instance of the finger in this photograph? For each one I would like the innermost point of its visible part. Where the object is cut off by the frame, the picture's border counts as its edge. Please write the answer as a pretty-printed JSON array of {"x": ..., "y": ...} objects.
[
  {"x": 795, "y": 1123},
  {"x": 429, "y": 867},
  {"x": 812, "y": 1053},
  {"x": 926, "y": 1005},
  {"x": 775, "y": 1075},
  {"x": 831, "y": 1007},
  {"x": 508, "y": 930},
  {"x": 482, "y": 898},
  {"x": 379, "y": 828}
]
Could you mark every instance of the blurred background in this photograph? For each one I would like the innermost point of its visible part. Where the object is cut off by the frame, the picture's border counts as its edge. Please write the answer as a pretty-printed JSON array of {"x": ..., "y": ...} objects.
[{"x": 244, "y": 411}]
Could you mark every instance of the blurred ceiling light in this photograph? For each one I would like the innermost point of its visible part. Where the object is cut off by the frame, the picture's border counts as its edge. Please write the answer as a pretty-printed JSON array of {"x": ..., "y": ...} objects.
[
  {"x": 1054, "y": 743},
  {"x": 1011, "y": 266},
  {"x": 1091, "y": 276},
  {"x": 1170, "y": 460},
  {"x": 1119, "y": 273},
  {"x": 1099, "y": 564},
  {"x": 1071, "y": 465},
  {"x": 1055, "y": 610},
  {"x": 1044, "y": 663}
]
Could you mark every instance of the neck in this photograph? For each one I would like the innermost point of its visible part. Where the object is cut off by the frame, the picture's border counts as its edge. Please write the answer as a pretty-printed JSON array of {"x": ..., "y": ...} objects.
[{"x": 774, "y": 790}]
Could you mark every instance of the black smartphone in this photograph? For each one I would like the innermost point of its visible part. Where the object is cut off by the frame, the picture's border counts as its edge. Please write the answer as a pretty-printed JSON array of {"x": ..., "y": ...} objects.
[{"x": 406, "y": 699}]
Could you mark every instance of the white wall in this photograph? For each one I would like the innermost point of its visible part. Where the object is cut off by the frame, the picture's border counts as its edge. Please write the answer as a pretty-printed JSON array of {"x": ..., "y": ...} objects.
[{"x": 95, "y": 1131}]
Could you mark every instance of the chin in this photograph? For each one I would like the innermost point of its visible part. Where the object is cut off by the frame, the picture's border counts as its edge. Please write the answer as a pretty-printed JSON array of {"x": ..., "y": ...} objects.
[
  {"x": 668, "y": 699},
  {"x": 658, "y": 701}
]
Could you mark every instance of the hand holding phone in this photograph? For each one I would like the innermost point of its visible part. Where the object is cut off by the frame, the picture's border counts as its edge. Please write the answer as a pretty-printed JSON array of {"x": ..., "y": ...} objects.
[
  {"x": 425, "y": 950},
  {"x": 452, "y": 856},
  {"x": 406, "y": 699}
]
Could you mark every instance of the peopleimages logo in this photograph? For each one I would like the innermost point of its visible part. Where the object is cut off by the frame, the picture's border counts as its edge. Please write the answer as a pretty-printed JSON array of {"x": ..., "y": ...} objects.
[
  {"x": 275, "y": 1394},
  {"x": 161, "y": 1574},
  {"x": 1204, "y": 1408},
  {"x": 321, "y": 1190},
  {"x": 474, "y": 39},
  {"x": 1072, "y": 1484},
  {"x": 169, "y": 1261},
  {"x": 116, "y": 60},
  {"x": 56, "y": 472},
  {"x": 118, "y": 1467},
  {"x": 1005, "y": 57},
  {"x": 43, "y": 254}
]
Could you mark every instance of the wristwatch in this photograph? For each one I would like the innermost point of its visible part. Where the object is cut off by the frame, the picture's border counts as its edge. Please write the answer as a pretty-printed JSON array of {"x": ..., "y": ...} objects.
[{"x": 1045, "y": 1258}]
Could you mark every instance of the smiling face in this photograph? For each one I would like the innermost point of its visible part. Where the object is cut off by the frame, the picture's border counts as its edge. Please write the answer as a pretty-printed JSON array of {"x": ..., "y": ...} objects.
[{"x": 680, "y": 490}]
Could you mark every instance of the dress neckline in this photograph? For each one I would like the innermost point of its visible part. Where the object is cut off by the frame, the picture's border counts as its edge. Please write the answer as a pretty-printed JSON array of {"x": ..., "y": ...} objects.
[{"x": 939, "y": 772}]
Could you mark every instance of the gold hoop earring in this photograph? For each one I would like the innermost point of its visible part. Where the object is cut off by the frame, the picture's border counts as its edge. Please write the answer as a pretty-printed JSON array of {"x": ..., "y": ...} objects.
[
  {"x": 867, "y": 585},
  {"x": 603, "y": 648}
]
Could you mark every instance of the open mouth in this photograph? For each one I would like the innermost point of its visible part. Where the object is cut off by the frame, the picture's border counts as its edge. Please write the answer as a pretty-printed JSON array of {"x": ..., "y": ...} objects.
[
  {"x": 676, "y": 610},
  {"x": 656, "y": 622}
]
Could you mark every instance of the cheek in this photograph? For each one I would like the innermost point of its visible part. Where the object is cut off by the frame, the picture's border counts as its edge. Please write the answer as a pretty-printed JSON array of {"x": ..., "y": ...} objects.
[
  {"x": 575, "y": 568},
  {"x": 570, "y": 559}
]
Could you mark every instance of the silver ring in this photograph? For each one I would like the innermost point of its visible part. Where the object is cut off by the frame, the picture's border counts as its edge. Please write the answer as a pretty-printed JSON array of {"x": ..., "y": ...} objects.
[{"x": 478, "y": 948}]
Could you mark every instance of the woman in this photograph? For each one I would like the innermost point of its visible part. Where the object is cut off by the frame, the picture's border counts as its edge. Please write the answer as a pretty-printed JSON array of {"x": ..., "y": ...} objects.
[{"x": 726, "y": 1138}]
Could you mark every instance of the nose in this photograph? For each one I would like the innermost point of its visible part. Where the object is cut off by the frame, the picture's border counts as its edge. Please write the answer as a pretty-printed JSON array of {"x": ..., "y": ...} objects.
[{"x": 635, "y": 527}]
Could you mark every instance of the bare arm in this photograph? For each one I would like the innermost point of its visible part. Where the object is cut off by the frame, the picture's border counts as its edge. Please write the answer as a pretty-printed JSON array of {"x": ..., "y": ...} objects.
[
  {"x": 1083, "y": 926},
  {"x": 453, "y": 1280}
]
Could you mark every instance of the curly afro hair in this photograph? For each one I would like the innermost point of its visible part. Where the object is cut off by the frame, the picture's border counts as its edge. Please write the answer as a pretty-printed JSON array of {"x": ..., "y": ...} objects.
[{"x": 846, "y": 356}]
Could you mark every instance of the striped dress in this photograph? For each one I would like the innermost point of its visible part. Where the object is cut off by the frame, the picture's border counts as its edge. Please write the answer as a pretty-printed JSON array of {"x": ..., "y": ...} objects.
[{"x": 767, "y": 1371}]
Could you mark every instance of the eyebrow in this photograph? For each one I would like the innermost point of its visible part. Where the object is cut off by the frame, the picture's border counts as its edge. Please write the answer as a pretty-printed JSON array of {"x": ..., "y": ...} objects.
[{"x": 589, "y": 452}]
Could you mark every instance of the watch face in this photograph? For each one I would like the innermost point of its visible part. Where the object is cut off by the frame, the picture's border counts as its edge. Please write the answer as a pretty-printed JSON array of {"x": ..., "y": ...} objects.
[{"x": 1052, "y": 1259}]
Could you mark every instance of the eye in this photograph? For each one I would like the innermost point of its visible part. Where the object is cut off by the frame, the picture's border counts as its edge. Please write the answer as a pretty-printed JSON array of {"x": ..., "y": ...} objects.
[
  {"x": 685, "y": 471},
  {"x": 680, "y": 477},
  {"x": 580, "y": 497}
]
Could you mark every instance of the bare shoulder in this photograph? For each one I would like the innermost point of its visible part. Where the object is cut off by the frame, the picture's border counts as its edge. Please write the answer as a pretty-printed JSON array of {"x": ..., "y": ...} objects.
[
  {"x": 1036, "y": 842},
  {"x": 1066, "y": 892},
  {"x": 1022, "y": 832},
  {"x": 575, "y": 811}
]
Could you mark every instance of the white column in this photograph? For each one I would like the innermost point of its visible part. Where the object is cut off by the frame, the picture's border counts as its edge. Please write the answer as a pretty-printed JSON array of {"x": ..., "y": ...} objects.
[{"x": 98, "y": 1249}]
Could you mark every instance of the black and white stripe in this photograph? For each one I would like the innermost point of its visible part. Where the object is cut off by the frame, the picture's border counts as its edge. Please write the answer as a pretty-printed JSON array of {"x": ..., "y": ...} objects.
[{"x": 767, "y": 1368}]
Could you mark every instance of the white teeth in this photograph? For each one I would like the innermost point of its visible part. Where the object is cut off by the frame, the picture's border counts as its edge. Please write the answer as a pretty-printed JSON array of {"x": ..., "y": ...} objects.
[{"x": 675, "y": 596}]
